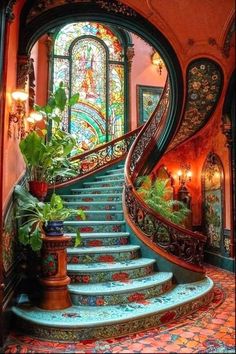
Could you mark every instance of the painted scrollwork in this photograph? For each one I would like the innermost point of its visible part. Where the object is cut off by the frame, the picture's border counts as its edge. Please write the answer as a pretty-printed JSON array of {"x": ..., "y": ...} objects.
[
  {"x": 104, "y": 154},
  {"x": 204, "y": 84}
]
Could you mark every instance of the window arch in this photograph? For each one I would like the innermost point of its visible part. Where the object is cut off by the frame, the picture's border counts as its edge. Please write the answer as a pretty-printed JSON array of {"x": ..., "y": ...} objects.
[{"x": 90, "y": 58}]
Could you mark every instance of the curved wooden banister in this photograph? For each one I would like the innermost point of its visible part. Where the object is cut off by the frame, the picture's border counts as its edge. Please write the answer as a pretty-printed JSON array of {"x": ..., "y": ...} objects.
[
  {"x": 173, "y": 242},
  {"x": 99, "y": 158}
]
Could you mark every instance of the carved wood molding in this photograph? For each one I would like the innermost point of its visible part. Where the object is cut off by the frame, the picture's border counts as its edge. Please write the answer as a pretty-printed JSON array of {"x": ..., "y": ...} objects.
[
  {"x": 227, "y": 42},
  {"x": 9, "y": 11},
  {"x": 24, "y": 67},
  {"x": 114, "y": 6}
]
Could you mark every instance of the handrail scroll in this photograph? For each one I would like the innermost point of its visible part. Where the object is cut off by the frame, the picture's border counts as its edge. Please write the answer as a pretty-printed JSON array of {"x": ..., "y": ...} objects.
[{"x": 173, "y": 242}]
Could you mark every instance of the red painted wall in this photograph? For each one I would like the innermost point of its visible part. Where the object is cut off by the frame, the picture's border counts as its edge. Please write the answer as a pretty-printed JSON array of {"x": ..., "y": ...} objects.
[
  {"x": 194, "y": 152},
  {"x": 143, "y": 72},
  {"x": 13, "y": 164}
]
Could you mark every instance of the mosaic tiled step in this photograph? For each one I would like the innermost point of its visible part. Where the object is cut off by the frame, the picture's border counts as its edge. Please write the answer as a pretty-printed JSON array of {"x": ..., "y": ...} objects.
[
  {"x": 87, "y": 322},
  {"x": 102, "y": 205},
  {"x": 97, "y": 190},
  {"x": 102, "y": 239},
  {"x": 115, "y": 171},
  {"x": 114, "y": 176},
  {"x": 111, "y": 197},
  {"x": 102, "y": 254},
  {"x": 109, "y": 183},
  {"x": 117, "y": 271},
  {"x": 94, "y": 226},
  {"x": 106, "y": 215},
  {"x": 113, "y": 293}
]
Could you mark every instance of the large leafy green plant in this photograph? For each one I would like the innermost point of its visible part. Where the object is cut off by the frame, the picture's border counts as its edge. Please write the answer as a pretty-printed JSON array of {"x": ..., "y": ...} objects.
[
  {"x": 34, "y": 214},
  {"x": 47, "y": 159},
  {"x": 156, "y": 195}
]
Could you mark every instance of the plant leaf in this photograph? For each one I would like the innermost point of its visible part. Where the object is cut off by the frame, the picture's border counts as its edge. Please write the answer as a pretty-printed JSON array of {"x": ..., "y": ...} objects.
[{"x": 78, "y": 239}]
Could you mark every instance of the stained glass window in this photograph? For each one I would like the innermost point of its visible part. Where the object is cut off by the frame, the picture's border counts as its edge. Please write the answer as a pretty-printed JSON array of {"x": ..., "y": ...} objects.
[{"x": 89, "y": 59}]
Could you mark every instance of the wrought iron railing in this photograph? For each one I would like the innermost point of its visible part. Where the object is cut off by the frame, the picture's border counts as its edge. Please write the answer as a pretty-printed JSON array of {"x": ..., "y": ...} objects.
[
  {"x": 174, "y": 242},
  {"x": 100, "y": 157}
]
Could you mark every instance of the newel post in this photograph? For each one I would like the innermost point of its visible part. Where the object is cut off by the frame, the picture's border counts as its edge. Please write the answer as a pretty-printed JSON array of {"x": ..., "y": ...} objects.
[{"x": 54, "y": 278}]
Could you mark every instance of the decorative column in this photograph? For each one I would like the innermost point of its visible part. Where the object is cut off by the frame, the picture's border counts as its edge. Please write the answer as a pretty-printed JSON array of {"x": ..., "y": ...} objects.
[
  {"x": 227, "y": 131},
  {"x": 54, "y": 279},
  {"x": 130, "y": 56}
]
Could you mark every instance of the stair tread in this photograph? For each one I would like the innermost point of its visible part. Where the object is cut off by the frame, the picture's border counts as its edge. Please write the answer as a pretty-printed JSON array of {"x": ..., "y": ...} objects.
[
  {"x": 94, "y": 203},
  {"x": 90, "y": 195},
  {"x": 116, "y": 287},
  {"x": 102, "y": 249},
  {"x": 102, "y": 266},
  {"x": 86, "y": 316},
  {"x": 99, "y": 234},
  {"x": 93, "y": 222},
  {"x": 109, "y": 176},
  {"x": 103, "y": 182},
  {"x": 98, "y": 188},
  {"x": 104, "y": 211}
]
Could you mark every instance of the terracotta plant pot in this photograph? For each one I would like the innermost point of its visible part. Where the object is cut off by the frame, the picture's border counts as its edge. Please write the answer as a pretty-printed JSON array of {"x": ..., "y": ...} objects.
[
  {"x": 54, "y": 228},
  {"x": 38, "y": 189}
]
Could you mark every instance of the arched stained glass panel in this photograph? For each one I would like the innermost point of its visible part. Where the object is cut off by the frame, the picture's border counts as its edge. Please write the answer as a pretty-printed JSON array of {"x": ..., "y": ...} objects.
[
  {"x": 89, "y": 58},
  {"x": 74, "y": 30}
]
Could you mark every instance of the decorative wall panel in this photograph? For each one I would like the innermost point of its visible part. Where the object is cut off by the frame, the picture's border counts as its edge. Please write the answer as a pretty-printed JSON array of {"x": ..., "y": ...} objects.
[
  {"x": 204, "y": 84},
  {"x": 213, "y": 199}
]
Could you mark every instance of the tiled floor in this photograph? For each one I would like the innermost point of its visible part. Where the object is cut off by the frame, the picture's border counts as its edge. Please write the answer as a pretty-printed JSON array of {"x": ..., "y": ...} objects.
[{"x": 211, "y": 330}]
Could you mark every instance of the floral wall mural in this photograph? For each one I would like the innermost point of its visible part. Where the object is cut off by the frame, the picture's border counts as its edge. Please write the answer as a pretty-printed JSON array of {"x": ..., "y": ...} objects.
[
  {"x": 212, "y": 177},
  {"x": 204, "y": 84}
]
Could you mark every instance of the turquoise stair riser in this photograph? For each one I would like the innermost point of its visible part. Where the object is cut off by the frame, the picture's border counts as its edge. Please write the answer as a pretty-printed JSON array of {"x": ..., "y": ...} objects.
[
  {"x": 109, "y": 275},
  {"x": 98, "y": 190},
  {"x": 111, "y": 172},
  {"x": 114, "y": 299},
  {"x": 97, "y": 241},
  {"x": 119, "y": 176},
  {"x": 84, "y": 322},
  {"x": 96, "y": 226},
  {"x": 95, "y": 205},
  {"x": 104, "y": 257},
  {"x": 92, "y": 197},
  {"x": 104, "y": 184},
  {"x": 104, "y": 215}
]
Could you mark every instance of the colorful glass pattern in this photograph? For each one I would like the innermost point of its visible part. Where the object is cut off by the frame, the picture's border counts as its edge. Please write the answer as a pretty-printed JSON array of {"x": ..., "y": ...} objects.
[
  {"x": 116, "y": 97},
  {"x": 75, "y": 30},
  {"x": 88, "y": 58}
]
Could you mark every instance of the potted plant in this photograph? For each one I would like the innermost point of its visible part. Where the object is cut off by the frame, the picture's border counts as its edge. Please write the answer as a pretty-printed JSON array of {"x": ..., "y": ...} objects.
[
  {"x": 38, "y": 218},
  {"x": 45, "y": 160},
  {"x": 156, "y": 193}
]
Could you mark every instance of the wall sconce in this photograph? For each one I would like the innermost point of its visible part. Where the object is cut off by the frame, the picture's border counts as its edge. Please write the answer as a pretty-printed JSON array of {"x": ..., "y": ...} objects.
[
  {"x": 156, "y": 60},
  {"x": 33, "y": 118},
  {"x": 184, "y": 174},
  {"x": 18, "y": 112}
]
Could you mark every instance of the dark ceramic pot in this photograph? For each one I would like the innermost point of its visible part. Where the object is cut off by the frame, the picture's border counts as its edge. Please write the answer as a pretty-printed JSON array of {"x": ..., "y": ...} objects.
[
  {"x": 54, "y": 228},
  {"x": 38, "y": 189}
]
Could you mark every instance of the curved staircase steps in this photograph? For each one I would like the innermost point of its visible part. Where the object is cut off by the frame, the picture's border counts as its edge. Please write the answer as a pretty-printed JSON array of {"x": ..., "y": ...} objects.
[
  {"x": 95, "y": 239},
  {"x": 90, "y": 322},
  {"x": 113, "y": 293},
  {"x": 114, "y": 290}
]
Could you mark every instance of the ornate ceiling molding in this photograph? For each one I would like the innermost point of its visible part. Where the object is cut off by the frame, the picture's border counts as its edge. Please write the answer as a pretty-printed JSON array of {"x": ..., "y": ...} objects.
[
  {"x": 204, "y": 84},
  {"x": 114, "y": 6}
]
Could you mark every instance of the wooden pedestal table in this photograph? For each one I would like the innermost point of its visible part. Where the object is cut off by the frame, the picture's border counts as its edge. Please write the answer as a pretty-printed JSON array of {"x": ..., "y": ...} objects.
[{"x": 54, "y": 279}]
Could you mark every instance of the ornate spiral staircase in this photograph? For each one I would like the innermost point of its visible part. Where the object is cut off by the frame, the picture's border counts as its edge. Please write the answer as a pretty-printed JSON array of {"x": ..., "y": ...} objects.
[{"x": 135, "y": 270}]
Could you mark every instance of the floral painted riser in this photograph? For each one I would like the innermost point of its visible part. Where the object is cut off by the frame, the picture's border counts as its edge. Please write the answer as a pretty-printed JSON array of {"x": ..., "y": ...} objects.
[
  {"x": 110, "y": 276},
  {"x": 139, "y": 297},
  {"x": 89, "y": 258}
]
